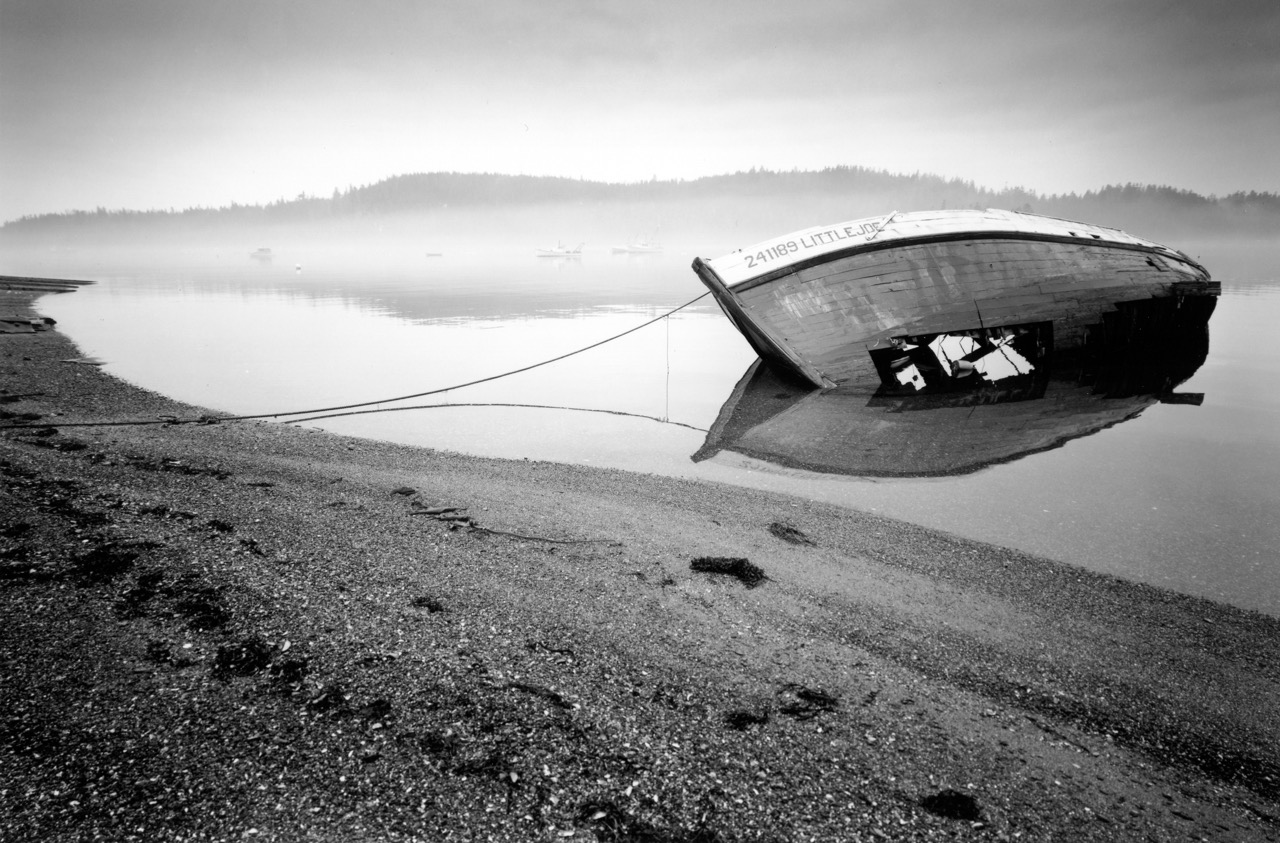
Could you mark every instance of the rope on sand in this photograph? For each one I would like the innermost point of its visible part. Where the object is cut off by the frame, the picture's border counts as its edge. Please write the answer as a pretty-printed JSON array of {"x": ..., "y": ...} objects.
[
  {"x": 495, "y": 404},
  {"x": 312, "y": 414}
]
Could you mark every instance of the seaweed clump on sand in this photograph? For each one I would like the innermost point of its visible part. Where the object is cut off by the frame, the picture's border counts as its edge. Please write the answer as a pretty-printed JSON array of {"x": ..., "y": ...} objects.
[{"x": 748, "y": 574}]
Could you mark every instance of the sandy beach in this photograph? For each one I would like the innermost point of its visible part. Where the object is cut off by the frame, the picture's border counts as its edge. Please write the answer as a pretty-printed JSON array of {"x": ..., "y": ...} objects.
[{"x": 251, "y": 630}]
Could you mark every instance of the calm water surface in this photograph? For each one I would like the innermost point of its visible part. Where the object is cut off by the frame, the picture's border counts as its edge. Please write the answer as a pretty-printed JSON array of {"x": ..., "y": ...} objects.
[{"x": 1179, "y": 496}]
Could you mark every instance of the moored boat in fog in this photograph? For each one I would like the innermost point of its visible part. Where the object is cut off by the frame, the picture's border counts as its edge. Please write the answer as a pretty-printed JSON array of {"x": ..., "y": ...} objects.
[
  {"x": 640, "y": 246},
  {"x": 559, "y": 250}
]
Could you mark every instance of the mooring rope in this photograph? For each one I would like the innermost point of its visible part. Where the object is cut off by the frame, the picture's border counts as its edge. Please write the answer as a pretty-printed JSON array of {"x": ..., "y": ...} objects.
[
  {"x": 339, "y": 410},
  {"x": 496, "y": 404}
]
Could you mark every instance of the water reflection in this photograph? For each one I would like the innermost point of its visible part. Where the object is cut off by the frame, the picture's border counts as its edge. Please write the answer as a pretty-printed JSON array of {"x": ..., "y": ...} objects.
[
  {"x": 950, "y": 404},
  {"x": 1182, "y": 497}
]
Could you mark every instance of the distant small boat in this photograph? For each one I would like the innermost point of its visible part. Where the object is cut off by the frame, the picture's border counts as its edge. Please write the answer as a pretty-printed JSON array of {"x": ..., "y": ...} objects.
[
  {"x": 819, "y": 303},
  {"x": 641, "y": 246},
  {"x": 263, "y": 254},
  {"x": 560, "y": 251},
  {"x": 435, "y": 254}
]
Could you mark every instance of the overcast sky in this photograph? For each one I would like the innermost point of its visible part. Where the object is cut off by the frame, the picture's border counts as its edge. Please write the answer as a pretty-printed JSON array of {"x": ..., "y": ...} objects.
[{"x": 179, "y": 103}]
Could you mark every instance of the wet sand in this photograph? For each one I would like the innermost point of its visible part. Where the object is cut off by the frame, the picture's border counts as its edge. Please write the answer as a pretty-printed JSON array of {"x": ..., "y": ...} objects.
[{"x": 252, "y": 630}]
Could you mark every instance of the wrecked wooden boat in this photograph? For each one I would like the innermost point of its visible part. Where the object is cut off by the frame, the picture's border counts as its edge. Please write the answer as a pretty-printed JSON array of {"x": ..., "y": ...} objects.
[
  {"x": 814, "y": 304},
  {"x": 1135, "y": 357}
]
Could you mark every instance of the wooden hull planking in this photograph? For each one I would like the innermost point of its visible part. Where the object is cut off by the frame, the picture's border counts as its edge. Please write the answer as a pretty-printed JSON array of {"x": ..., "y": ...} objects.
[
  {"x": 1143, "y": 352},
  {"x": 818, "y": 318}
]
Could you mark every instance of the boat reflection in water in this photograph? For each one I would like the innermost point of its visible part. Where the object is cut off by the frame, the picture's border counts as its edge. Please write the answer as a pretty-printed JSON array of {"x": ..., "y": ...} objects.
[{"x": 949, "y": 404}]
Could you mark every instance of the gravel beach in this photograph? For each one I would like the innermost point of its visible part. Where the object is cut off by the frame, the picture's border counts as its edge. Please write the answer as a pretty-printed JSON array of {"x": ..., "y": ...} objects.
[{"x": 250, "y": 630}]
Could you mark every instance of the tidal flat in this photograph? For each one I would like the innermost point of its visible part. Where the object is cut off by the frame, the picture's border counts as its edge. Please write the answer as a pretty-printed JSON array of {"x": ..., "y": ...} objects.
[{"x": 221, "y": 630}]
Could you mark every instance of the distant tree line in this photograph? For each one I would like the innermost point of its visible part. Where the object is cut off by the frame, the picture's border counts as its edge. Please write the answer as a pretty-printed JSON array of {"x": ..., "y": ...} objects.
[{"x": 1119, "y": 205}]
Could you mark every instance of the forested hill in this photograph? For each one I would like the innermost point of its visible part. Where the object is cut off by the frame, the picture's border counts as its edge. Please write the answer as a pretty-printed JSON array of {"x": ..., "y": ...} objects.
[{"x": 1250, "y": 213}]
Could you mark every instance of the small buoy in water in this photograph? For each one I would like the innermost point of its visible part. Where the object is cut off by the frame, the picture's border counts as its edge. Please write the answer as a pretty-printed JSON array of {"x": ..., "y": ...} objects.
[{"x": 297, "y": 267}]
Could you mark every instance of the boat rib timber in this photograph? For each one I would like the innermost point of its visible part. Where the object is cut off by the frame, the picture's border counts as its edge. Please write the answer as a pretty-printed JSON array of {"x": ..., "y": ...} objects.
[{"x": 814, "y": 302}]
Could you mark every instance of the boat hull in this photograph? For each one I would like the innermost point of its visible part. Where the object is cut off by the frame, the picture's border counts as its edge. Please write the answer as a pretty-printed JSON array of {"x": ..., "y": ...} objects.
[
  {"x": 1135, "y": 358},
  {"x": 816, "y": 317}
]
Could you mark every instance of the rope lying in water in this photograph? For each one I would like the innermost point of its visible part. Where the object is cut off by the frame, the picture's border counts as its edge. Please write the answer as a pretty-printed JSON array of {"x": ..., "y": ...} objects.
[
  {"x": 495, "y": 404},
  {"x": 340, "y": 410}
]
